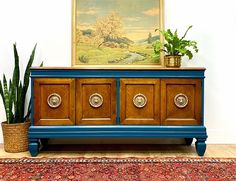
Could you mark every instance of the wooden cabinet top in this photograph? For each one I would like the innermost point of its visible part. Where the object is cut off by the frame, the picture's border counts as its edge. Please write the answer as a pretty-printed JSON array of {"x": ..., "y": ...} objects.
[
  {"x": 156, "y": 68},
  {"x": 160, "y": 72}
]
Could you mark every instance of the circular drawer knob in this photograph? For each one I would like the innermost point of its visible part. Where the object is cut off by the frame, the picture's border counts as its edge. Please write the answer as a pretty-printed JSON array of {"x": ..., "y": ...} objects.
[
  {"x": 96, "y": 100},
  {"x": 54, "y": 100},
  {"x": 181, "y": 100},
  {"x": 140, "y": 100}
]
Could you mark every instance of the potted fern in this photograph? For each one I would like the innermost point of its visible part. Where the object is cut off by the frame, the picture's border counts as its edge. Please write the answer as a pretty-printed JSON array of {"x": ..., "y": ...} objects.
[
  {"x": 174, "y": 47},
  {"x": 13, "y": 93}
]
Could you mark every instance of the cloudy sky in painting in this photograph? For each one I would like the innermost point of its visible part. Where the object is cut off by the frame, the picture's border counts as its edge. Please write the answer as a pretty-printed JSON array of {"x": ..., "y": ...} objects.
[{"x": 139, "y": 16}]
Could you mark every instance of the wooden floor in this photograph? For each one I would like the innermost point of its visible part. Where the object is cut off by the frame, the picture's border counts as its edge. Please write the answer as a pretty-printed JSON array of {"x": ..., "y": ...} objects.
[{"x": 147, "y": 150}]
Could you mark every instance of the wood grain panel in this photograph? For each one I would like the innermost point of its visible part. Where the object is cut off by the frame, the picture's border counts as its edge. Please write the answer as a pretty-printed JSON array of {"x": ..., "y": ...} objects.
[
  {"x": 150, "y": 113},
  {"x": 173, "y": 115},
  {"x": 89, "y": 115},
  {"x": 46, "y": 115}
]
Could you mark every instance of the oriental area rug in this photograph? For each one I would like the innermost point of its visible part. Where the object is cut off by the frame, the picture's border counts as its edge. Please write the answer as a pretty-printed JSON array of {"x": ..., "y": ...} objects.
[{"x": 118, "y": 169}]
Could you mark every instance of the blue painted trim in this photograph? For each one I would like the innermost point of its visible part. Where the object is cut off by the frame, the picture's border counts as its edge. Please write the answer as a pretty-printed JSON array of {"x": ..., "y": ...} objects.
[
  {"x": 75, "y": 73},
  {"x": 119, "y": 127},
  {"x": 117, "y": 101},
  {"x": 117, "y": 132},
  {"x": 202, "y": 102},
  {"x": 32, "y": 102}
]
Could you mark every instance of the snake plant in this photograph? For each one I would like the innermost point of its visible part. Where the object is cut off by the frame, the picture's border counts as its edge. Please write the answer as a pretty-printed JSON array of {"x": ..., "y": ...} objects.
[
  {"x": 174, "y": 45},
  {"x": 13, "y": 92}
]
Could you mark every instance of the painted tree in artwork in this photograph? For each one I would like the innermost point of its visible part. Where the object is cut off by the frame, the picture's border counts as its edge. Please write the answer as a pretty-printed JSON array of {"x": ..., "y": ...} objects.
[{"x": 109, "y": 27}]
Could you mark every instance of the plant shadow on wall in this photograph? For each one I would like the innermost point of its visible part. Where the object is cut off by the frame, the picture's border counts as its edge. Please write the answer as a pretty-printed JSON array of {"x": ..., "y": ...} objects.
[
  {"x": 174, "y": 47},
  {"x": 13, "y": 93}
]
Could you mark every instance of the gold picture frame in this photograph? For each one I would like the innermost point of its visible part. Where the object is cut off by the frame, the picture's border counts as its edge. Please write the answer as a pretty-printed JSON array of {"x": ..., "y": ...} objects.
[{"x": 119, "y": 33}]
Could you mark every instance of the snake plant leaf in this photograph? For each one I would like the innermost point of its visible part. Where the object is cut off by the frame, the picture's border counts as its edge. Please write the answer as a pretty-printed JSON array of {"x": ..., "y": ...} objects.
[
  {"x": 20, "y": 111},
  {"x": 16, "y": 75},
  {"x": 11, "y": 97},
  {"x": 2, "y": 94},
  {"x": 14, "y": 93},
  {"x": 3, "y": 99},
  {"x": 16, "y": 72},
  {"x": 27, "y": 70},
  {"x": 18, "y": 103},
  {"x": 10, "y": 90},
  {"x": 6, "y": 95},
  {"x": 28, "y": 110},
  {"x": 26, "y": 81}
]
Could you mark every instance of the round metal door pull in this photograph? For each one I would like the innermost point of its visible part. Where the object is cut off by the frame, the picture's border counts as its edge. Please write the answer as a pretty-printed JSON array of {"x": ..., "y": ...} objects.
[
  {"x": 96, "y": 100},
  {"x": 140, "y": 100},
  {"x": 54, "y": 100},
  {"x": 181, "y": 100}
]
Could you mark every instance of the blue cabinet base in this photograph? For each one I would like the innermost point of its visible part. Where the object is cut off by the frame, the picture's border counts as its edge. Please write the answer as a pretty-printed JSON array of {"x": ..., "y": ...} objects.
[{"x": 37, "y": 133}]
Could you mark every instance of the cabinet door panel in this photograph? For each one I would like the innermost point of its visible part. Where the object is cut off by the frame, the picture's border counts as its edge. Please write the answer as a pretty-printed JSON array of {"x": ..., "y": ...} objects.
[
  {"x": 139, "y": 101},
  {"x": 181, "y": 101},
  {"x": 54, "y": 101},
  {"x": 96, "y": 101}
]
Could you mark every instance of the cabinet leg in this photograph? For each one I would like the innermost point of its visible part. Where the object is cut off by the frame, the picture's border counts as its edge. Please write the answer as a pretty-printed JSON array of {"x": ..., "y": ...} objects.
[
  {"x": 200, "y": 146},
  {"x": 34, "y": 147},
  {"x": 188, "y": 141}
]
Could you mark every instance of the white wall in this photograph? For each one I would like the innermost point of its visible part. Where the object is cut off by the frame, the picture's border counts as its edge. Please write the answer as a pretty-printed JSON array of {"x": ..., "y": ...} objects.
[{"x": 48, "y": 23}]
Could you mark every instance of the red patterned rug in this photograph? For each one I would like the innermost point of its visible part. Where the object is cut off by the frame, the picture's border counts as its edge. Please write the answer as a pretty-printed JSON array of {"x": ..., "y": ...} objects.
[{"x": 119, "y": 169}]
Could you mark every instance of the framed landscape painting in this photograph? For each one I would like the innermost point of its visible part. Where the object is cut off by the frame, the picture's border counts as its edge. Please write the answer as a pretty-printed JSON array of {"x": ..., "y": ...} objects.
[{"x": 116, "y": 33}]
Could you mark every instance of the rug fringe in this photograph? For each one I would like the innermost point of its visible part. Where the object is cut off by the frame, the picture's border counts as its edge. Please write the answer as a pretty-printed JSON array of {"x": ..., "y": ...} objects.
[{"x": 117, "y": 160}]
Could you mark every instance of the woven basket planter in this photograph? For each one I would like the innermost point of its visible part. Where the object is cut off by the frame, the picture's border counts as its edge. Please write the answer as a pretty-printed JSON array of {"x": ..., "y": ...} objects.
[{"x": 15, "y": 137}]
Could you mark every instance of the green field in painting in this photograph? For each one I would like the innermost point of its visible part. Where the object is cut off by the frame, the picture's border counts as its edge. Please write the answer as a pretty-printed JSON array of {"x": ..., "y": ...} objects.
[{"x": 134, "y": 54}]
